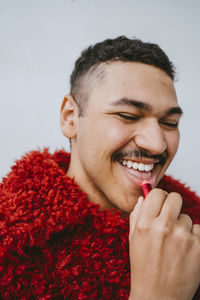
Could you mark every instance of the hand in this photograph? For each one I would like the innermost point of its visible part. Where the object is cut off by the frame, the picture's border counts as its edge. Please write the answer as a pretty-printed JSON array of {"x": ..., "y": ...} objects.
[{"x": 164, "y": 249}]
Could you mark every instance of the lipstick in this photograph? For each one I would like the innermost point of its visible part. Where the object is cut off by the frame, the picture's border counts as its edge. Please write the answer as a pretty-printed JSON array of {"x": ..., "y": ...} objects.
[{"x": 146, "y": 188}]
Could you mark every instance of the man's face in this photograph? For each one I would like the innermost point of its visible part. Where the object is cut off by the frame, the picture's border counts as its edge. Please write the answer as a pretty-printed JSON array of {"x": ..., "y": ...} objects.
[{"x": 129, "y": 133}]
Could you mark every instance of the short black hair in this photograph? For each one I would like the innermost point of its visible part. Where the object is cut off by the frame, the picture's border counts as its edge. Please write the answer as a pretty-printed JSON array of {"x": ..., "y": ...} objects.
[{"x": 110, "y": 50}]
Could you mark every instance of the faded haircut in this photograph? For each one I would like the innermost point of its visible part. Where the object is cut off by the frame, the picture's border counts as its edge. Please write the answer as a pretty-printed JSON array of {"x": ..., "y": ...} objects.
[{"x": 87, "y": 66}]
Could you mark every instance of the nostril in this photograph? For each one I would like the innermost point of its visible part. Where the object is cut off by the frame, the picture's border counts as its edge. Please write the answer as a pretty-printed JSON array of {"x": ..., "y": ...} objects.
[{"x": 151, "y": 142}]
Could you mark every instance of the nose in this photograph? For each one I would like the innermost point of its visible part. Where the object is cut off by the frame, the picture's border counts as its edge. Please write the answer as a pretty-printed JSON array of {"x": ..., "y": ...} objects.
[{"x": 150, "y": 137}]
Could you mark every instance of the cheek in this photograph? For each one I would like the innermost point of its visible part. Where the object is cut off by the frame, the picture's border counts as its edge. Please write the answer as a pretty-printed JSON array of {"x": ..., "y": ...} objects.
[
  {"x": 172, "y": 140},
  {"x": 173, "y": 143},
  {"x": 109, "y": 135},
  {"x": 115, "y": 135}
]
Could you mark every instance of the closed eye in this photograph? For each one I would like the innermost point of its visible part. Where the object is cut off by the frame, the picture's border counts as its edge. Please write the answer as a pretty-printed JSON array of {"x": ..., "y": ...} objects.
[
  {"x": 127, "y": 117},
  {"x": 170, "y": 125}
]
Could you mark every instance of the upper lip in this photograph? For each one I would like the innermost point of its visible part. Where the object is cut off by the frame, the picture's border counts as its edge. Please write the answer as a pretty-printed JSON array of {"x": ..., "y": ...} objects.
[{"x": 145, "y": 161}]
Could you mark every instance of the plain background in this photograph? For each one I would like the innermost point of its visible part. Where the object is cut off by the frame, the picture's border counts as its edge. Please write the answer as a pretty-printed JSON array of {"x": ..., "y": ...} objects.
[{"x": 41, "y": 39}]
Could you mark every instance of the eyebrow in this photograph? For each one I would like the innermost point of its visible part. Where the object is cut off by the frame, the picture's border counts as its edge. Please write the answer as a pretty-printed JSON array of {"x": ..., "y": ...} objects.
[
  {"x": 145, "y": 106},
  {"x": 131, "y": 102},
  {"x": 174, "y": 110}
]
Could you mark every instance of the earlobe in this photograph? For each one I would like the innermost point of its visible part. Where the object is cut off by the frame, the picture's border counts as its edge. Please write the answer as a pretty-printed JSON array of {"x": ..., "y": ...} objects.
[{"x": 68, "y": 117}]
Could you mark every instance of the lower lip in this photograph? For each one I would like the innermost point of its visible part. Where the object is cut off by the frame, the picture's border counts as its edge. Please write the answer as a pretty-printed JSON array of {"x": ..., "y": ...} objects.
[{"x": 138, "y": 177}]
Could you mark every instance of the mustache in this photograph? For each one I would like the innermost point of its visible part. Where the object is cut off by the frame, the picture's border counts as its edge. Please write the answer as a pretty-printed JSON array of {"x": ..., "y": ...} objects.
[{"x": 138, "y": 153}]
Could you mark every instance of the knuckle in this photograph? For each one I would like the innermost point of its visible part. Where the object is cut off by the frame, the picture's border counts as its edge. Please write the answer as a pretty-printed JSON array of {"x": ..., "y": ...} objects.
[
  {"x": 142, "y": 226},
  {"x": 182, "y": 235},
  {"x": 162, "y": 228}
]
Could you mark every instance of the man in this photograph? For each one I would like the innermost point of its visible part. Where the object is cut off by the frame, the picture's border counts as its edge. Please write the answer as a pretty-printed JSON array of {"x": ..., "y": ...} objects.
[{"x": 65, "y": 220}]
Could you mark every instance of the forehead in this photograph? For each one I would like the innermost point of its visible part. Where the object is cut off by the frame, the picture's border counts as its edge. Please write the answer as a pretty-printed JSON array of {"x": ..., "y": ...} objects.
[{"x": 132, "y": 80}]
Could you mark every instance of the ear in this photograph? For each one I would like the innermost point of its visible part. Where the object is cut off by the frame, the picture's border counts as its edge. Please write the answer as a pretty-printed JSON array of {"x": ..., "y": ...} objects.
[{"x": 68, "y": 117}]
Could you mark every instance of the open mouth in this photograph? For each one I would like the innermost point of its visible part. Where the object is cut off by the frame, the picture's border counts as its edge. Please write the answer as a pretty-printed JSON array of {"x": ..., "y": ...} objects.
[
  {"x": 138, "y": 166},
  {"x": 137, "y": 172}
]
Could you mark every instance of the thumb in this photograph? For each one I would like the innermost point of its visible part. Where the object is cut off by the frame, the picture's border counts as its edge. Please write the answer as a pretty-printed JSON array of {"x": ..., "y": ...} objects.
[{"x": 134, "y": 216}]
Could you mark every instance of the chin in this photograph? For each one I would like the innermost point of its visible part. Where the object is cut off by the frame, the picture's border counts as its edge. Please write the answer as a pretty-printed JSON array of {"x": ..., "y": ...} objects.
[{"x": 128, "y": 204}]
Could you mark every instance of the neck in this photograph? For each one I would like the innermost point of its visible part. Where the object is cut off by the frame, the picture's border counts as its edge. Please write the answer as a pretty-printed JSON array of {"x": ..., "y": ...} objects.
[{"x": 85, "y": 183}]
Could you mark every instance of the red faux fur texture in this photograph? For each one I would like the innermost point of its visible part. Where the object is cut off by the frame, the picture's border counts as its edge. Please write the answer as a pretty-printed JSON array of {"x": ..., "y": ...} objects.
[{"x": 55, "y": 244}]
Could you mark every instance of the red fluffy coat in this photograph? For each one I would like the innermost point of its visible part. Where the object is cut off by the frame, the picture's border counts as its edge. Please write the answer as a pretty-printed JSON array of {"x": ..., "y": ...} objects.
[{"x": 55, "y": 244}]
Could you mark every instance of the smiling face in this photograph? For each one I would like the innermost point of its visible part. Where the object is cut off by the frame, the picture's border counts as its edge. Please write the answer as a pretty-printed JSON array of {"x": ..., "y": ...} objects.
[{"x": 129, "y": 133}]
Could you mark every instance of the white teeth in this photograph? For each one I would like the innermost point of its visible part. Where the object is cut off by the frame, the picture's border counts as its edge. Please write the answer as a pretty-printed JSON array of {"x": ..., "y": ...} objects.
[
  {"x": 148, "y": 167},
  {"x": 129, "y": 164},
  {"x": 138, "y": 166},
  {"x": 141, "y": 167},
  {"x": 135, "y": 165}
]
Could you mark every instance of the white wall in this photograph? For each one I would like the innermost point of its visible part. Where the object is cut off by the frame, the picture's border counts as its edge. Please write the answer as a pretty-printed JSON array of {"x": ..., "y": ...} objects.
[{"x": 41, "y": 39}]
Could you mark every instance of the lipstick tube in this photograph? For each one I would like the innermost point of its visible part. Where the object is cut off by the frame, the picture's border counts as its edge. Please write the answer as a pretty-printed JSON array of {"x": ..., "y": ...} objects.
[{"x": 146, "y": 188}]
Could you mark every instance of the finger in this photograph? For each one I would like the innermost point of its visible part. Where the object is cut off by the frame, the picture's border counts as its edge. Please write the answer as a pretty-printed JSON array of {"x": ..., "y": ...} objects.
[
  {"x": 171, "y": 207},
  {"x": 185, "y": 220},
  {"x": 153, "y": 204},
  {"x": 134, "y": 215},
  {"x": 196, "y": 230}
]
